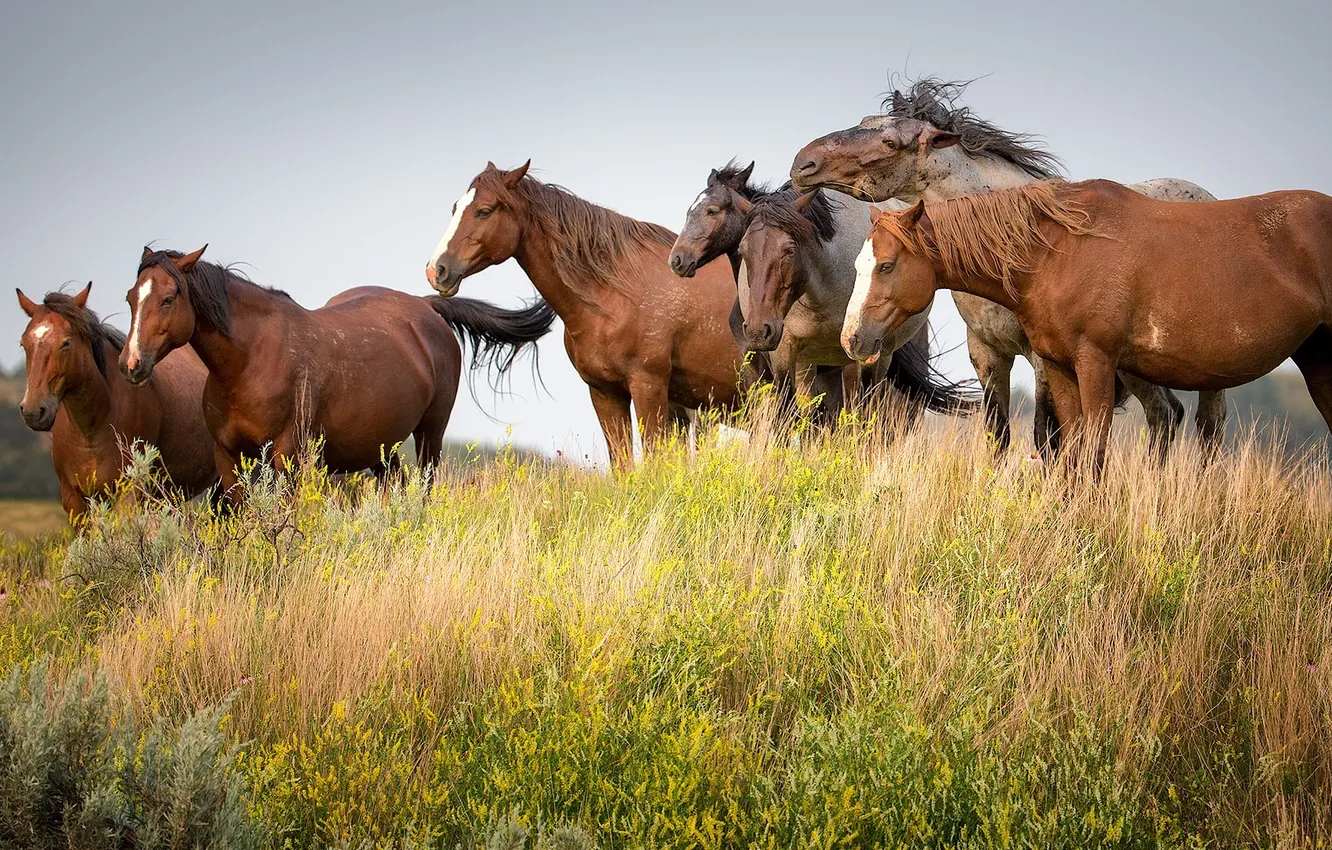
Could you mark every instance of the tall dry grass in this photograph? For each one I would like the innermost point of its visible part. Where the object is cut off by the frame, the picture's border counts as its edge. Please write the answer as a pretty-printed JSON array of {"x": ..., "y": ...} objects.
[{"x": 1177, "y": 616}]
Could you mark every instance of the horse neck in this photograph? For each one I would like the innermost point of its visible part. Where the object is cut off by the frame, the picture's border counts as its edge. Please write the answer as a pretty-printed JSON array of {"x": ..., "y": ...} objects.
[
  {"x": 984, "y": 286},
  {"x": 89, "y": 405},
  {"x": 226, "y": 355},
  {"x": 536, "y": 257},
  {"x": 952, "y": 173},
  {"x": 833, "y": 266}
]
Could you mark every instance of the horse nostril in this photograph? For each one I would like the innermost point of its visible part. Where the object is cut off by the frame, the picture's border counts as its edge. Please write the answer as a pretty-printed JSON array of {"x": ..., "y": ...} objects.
[{"x": 809, "y": 166}]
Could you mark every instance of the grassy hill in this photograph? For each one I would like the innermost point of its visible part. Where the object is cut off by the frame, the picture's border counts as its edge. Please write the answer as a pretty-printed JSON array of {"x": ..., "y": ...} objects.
[{"x": 859, "y": 642}]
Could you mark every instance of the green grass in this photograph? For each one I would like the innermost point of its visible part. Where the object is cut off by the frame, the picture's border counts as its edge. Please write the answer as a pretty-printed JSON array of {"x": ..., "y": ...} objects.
[{"x": 853, "y": 643}]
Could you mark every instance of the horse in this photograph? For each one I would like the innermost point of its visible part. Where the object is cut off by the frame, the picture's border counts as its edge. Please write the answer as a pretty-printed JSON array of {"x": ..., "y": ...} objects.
[
  {"x": 1105, "y": 279},
  {"x": 800, "y": 252},
  {"x": 927, "y": 147},
  {"x": 634, "y": 331},
  {"x": 712, "y": 229},
  {"x": 95, "y": 416},
  {"x": 362, "y": 373}
]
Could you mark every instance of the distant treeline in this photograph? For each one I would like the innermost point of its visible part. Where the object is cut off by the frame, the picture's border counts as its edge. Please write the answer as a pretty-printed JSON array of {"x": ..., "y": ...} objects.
[{"x": 1276, "y": 402}]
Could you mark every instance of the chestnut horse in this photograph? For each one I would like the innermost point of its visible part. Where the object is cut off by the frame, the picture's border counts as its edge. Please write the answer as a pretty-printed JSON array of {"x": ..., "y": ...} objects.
[
  {"x": 1192, "y": 296},
  {"x": 370, "y": 368},
  {"x": 95, "y": 416},
  {"x": 928, "y": 148},
  {"x": 634, "y": 331}
]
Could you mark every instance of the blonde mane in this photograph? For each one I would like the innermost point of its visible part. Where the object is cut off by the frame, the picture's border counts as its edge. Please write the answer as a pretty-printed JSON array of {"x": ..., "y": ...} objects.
[
  {"x": 994, "y": 234},
  {"x": 590, "y": 244}
]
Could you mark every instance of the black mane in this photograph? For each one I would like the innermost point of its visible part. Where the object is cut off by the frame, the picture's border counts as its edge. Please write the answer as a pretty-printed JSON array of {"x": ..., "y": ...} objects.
[
  {"x": 86, "y": 326},
  {"x": 207, "y": 287},
  {"x": 933, "y": 101},
  {"x": 729, "y": 175},
  {"x": 816, "y": 222}
]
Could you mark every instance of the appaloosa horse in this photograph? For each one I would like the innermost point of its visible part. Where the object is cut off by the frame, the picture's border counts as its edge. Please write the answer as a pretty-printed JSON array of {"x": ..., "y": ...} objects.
[
  {"x": 634, "y": 331},
  {"x": 364, "y": 372},
  {"x": 1104, "y": 279},
  {"x": 95, "y": 417},
  {"x": 926, "y": 147}
]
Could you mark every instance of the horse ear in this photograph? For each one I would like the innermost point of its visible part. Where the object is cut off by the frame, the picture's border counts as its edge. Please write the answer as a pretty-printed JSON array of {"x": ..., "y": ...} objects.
[
  {"x": 910, "y": 217},
  {"x": 186, "y": 263},
  {"x": 81, "y": 300},
  {"x": 935, "y": 138},
  {"x": 513, "y": 178},
  {"x": 713, "y": 176},
  {"x": 26, "y": 303},
  {"x": 802, "y": 202},
  {"x": 490, "y": 166},
  {"x": 875, "y": 214},
  {"x": 742, "y": 178},
  {"x": 743, "y": 205},
  {"x": 147, "y": 252}
]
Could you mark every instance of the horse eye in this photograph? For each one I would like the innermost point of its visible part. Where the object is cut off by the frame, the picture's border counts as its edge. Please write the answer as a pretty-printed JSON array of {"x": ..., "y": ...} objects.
[
  {"x": 713, "y": 211},
  {"x": 168, "y": 300},
  {"x": 890, "y": 143},
  {"x": 484, "y": 212},
  {"x": 886, "y": 267},
  {"x": 66, "y": 344}
]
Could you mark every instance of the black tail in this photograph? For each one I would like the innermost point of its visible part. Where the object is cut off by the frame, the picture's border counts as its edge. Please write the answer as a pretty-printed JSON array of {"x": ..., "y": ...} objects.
[
  {"x": 496, "y": 336},
  {"x": 915, "y": 377}
]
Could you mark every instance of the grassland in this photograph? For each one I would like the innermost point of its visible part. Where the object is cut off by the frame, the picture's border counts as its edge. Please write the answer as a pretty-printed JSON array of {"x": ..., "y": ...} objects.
[{"x": 856, "y": 642}]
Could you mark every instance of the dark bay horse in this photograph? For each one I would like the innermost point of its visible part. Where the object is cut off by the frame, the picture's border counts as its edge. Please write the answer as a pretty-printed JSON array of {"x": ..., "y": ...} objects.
[
  {"x": 794, "y": 259},
  {"x": 1191, "y": 296},
  {"x": 370, "y": 368},
  {"x": 927, "y": 147},
  {"x": 633, "y": 330},
  {"x": 75, "y": 391}
]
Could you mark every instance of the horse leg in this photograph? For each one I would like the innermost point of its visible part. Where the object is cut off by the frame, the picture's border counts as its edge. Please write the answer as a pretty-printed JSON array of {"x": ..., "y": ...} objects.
[
  {"x": 1211, "y": 420},
  {"x": 1162, "y": 409},
  {"x": 612, "y": 409},
  {"x": 74, "y": 503},
  {"x": 653, "y": 407},
  {"x": 229, "y": 496},
  {"x": 994, "y": 369},
  {"x": 1314, "y": 357},
  {"x": 1065, "y": 399},
  {"x": 1045, "y": 422},
  {"x": 1096, "y": 388}
]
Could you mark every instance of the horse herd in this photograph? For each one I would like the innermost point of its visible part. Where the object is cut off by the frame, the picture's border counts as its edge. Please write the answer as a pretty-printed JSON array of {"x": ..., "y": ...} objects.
[{"x": 1107, "y": 290}]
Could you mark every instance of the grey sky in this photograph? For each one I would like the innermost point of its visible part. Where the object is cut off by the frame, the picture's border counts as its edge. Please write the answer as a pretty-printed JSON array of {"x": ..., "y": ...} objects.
[{"x": 323, "y": 144}]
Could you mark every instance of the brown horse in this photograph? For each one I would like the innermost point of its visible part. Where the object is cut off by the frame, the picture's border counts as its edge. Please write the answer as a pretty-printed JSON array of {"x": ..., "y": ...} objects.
[
  {"x": 1190, "y": 296},
  {"x": 94, "y": 416},
  {"x": 633, "y": 330},
  {"x": 364, "y": 372}
]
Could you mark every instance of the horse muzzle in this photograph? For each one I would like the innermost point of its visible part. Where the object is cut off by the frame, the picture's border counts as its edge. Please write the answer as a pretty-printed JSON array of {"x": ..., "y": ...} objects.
[
  {"x": 764, "y": 337},
  {"x": 682, "y": 264},
  {"x": 41, "y": 417},
  {"x": 862, "y": 347},
  {"x": 137, "y": 369},
  {"x": 443, "y": 280}
]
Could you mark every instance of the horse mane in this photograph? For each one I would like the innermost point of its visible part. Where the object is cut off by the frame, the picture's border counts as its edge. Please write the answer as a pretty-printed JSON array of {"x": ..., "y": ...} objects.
[
  {"x": 933, "y": 101},
  {"x": 816, "y": 224},
  {"x": 207, "y": 286},
  {"x": 993, "y": 234},
  {"x": 590, "y": 243},
  {"x": 86, "y": 326},
  {"x": 729, "y": 175}
]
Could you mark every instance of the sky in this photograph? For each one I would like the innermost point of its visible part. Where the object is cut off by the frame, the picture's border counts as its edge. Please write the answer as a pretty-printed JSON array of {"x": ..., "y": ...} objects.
[{"x": 324, "y": 144}]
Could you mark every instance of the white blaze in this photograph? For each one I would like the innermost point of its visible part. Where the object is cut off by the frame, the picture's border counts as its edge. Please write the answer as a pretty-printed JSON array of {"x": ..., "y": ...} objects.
[
  {"x": 41, "y": 330},
  {"x": 458, "y": 209},
  {"x": 698, "y": 202},
  {"x": 865, "y": 263},
  {"x": 143, "y": 291}
]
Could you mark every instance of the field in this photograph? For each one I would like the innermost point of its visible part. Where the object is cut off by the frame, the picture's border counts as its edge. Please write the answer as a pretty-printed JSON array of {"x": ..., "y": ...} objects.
[{"x": 856, "y": 642}]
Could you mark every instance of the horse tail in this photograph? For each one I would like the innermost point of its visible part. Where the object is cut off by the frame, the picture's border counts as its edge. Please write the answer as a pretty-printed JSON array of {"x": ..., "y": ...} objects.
[
  {"x": 912, "y": 374},
  {"x": 496, "y": 336}
]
